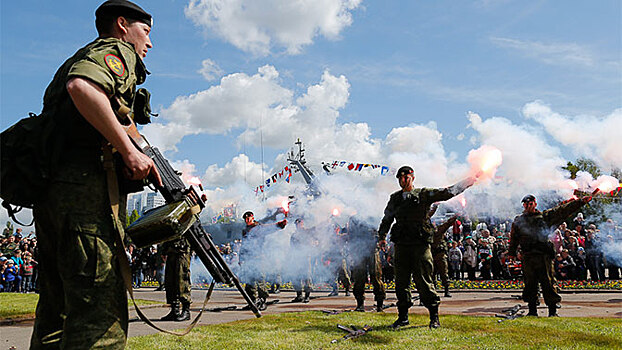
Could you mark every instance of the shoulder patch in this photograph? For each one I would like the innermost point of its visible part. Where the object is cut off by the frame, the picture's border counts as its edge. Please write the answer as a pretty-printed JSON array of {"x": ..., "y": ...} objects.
[{"x": 115, "y": 64}]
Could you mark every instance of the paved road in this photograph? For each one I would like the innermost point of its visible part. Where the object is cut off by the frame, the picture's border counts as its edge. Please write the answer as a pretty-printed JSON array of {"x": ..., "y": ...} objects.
[{"x": 462, "y": 303}]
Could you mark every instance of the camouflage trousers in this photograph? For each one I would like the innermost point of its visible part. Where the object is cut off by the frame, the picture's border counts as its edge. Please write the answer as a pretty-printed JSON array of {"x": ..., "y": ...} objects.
[
  {"x": 177, "y": 275},
  {"x": 256, "y": 286},
  {"x": 538, "y": 269},
  {"x": 82, "y": 301},
  {"x": 368, "y": 265},
  {"x": 441, "y": 269},
  {"x": 414, "y": 261}
]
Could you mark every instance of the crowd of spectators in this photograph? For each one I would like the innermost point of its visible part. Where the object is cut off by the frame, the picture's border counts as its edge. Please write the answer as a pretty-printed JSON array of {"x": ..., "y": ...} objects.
[
  {"x": 473, "y": 253},
  {"x": 18, "y": 261}
]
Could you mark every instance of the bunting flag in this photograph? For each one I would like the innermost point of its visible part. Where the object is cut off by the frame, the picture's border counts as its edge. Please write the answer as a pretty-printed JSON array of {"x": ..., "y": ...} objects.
[
  {"x": 274, "y": 179},
  {"x": 384, "y": 170}
]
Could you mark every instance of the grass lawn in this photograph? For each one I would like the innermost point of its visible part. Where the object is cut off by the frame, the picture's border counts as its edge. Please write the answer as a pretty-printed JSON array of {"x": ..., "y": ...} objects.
[
  {"x": 18, "y": 305},
  {"x": 315, "y": 330}
]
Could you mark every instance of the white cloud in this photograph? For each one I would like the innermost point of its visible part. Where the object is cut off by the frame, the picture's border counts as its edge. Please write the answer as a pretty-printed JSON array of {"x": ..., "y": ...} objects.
[
  {"x": 260, "y": 25},
  {"x": 210, "y": 70},
  {"x": 550, "y": 53},
  {"x": 595, "y": 137}
]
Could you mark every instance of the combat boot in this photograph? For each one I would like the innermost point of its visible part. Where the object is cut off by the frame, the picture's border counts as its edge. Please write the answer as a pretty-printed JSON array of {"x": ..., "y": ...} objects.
[
  {"x": 184, "y": 315},
  {"x": 434, "y": 321},
  {"x": 307, "y": 297},
  {"x": 172, "y": 315},
  {"x": 447, "y": 294},
  {"x": 533, "y": 310},
  {"x": 334, "y": 292},
  {"x": 347, "y": 291},
  {"x": 298, "y": 298},
  {"x": 553, "y": 311},
  {"x": 360, "y": 305},
  {"x": 402, "y": 319},
  {"x": 379, "y": 305}
]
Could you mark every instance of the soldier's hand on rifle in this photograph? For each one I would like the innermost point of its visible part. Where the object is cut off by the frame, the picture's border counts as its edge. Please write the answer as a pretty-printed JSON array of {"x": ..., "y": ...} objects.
[{"x": 139, "y": 166}]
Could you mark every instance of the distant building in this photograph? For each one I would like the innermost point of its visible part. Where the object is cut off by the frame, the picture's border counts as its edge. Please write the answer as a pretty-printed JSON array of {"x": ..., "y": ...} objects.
[
  {"x": 152, "y": 200},
  {"x": 135, "y": 202}
]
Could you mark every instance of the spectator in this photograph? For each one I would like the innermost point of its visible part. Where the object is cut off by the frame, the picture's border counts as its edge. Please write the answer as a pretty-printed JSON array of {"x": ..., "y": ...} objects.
[
  {"x": 27, "y": 272},
  {"x": 580, "y": 264},
  {"x": 484, "y": 256},
  {"x": 455, "y": 261},
  {"x": 594, "y": 257},
  {"x": 470, "y": 257},
  {"x": 9, "y": 246},
  {"x": 565, "y": 266},
  {"x": 11, "y": 277}
]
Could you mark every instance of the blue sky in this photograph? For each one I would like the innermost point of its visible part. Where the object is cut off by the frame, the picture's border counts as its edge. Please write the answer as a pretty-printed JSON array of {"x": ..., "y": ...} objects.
[{"x": 355, "y": 79}]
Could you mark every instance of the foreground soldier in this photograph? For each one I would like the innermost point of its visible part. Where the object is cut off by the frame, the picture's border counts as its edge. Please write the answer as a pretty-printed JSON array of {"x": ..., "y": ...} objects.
[
  {"x": 83, "y": 303},
  {"x": 301, "y": 241},
  {"x": 412, "y": 234},
  {"x": 530, "y": 231},
  {"x": 177, "y": 279}
]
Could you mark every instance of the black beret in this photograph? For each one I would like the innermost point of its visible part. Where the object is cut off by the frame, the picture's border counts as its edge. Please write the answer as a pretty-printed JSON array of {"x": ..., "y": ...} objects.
[
  {"x": 404, "y": 170},
  {"x": 124, "y": 8},
  {"x": 247, "y": 214},
  {"x": 528, "y": 198}
]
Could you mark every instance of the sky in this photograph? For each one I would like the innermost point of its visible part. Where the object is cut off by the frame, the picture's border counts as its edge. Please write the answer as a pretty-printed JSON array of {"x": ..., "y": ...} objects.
[{"x": 394, "y": 82}]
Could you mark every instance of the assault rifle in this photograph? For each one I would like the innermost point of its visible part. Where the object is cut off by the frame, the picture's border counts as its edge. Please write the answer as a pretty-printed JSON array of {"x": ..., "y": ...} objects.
[{"x": 173, "y": 189}]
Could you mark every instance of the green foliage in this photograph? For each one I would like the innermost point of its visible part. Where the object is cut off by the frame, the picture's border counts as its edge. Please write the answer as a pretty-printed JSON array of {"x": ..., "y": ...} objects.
[
  {"x": 315, "y": 330},
  {"x": 134, "y": 216},
  {"x": 583, "y": 164}
]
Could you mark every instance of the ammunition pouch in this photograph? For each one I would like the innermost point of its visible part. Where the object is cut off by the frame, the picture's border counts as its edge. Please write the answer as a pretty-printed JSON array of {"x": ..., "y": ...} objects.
[
  {"x": 142, "y": 107},
  {"x": 166, "y": 223}
]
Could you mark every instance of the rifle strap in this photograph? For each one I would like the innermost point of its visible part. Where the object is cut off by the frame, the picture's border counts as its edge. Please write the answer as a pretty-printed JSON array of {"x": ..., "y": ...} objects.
[{"x": 124, "y": 264}]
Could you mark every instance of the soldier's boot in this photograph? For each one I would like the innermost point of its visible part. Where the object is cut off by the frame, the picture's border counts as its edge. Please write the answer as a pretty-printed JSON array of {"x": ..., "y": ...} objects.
[
  {"x": 447, "y": 294},
  {"x": 184, "y": 315},
  {"x": 402, "y": 319},
  {"x": 379, "y": 305},
  {"x": 533, "y": 310},
  {"x": 334, "y": 292},
  {"x": 172, "y": 315},
  {"x": 553, "y": 311},
  {"x": 434, "y": 321},
  {"x": 298, "y": 298},
  {"x": 360, "y": 305},
  {"x": 347, "y": 291},
  {"x": 307, "y": 297}
]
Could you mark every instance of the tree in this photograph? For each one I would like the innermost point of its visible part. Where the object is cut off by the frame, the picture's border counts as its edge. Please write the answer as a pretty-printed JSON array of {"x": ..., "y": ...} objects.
[
  {"x": 583, "y": 164},
  {"x": 133, "y": 217}
]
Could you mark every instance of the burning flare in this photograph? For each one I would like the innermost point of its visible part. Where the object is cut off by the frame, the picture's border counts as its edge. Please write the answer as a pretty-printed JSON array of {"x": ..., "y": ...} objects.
[
  {"x": 606, "y": 183},
  {"x": 336, "y": 212},
  {"x": 285, "y": 205},
  {"x": 485, "y": 159}
]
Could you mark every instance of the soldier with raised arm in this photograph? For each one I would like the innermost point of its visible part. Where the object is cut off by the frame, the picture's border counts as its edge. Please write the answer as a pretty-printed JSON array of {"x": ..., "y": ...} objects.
[
  {"x": 530, "y": 231},
  {"x": 412, "y": 235}
]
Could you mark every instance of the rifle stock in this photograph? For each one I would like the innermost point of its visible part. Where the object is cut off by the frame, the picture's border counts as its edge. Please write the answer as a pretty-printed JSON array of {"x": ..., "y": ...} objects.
[{"x": 174, "y": 189}]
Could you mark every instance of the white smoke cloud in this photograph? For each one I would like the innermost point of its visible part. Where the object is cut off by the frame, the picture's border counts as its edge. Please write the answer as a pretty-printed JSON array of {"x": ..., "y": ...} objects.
[
  {"x": 261, "y": 25},
  {"x": 210, "y": 70},
  {"x": 593, "y": 137}
]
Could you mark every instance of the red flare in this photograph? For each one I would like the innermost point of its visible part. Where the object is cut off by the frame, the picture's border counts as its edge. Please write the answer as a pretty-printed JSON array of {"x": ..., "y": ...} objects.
[{"x": 336, "y": 212}]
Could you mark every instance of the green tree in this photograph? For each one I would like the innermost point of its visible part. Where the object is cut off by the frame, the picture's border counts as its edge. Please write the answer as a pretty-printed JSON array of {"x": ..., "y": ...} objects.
[
  {"x": 133, "y": 217},
  {"x": 583, "y": 164}
]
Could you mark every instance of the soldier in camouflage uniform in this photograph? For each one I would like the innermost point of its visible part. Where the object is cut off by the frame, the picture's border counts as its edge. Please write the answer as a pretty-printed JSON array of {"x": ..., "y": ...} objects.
[
  {"x": 412, "y": 234},
  {"x": 83, "y": 302},
  {"x": 439, "y": 253},
  {"x": 363, "y": 241},
  {"x": 530, "y": 231},
  {"x": 177, "y": 279}
]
